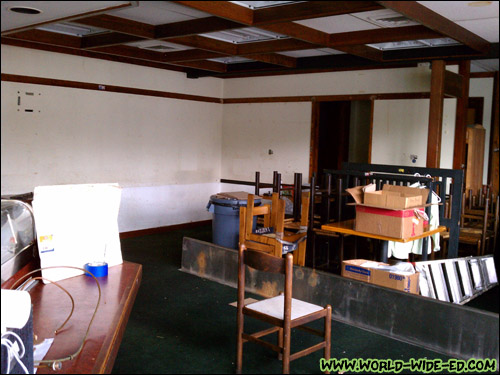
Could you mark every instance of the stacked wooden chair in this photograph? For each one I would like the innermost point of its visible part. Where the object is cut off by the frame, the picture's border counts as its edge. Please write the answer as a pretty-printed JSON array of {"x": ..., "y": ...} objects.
[
  {"x": 277, "y": 235},
  {"x": 479, "y": 223}
]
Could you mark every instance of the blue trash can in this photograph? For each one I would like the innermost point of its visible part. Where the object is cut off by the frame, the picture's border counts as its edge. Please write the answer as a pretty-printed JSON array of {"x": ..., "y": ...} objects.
[{"x": 226, "y": 219}]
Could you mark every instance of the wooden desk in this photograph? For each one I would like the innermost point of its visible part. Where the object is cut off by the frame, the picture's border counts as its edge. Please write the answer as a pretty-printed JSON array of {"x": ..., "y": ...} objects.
[
  {"x": 347, "y": 227},
  {"x": 51, "y": 306}
]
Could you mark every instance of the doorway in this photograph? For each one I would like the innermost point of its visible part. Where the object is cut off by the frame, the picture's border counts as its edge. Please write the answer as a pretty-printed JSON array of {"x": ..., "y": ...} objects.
[{"x": 341, "y": 132}]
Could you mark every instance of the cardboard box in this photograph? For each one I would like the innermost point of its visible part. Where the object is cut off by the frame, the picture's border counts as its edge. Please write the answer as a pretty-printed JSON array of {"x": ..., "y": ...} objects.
[
  {"x": 407, "y": 283},
  {"x": 388, "y": 223},
  {"x": 394, "y": 211}
]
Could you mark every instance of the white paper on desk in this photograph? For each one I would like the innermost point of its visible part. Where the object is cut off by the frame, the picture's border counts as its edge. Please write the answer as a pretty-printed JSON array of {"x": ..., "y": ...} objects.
[
  {"x": 77, "y": 224},
  {"x": 40, "y": 351}
]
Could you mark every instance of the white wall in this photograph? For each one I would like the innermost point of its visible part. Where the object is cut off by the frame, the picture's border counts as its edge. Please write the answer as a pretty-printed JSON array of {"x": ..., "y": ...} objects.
[
  {"x": 169, "y": 154},
  {"x": 165, "y": 153},
  {"x": 483, "y": 87},
  {"x": 399, "y": 128},
  {"x": 251, "y": 130}
]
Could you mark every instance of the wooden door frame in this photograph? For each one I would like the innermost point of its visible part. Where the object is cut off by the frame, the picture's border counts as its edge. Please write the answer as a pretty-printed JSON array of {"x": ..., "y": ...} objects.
[{"x": 314, "y": 142}]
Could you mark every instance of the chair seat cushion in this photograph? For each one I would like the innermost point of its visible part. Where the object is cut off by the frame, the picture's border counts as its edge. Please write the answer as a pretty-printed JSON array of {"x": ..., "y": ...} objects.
[{"x": 275, "y": 307}]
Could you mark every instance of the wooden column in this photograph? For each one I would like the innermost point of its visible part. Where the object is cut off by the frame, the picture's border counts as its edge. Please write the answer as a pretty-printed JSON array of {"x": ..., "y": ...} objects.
[
  {"x": 494, "y": 143},
  {"x": 461, "y": 117},
  {"x": 435, "y": 114}
]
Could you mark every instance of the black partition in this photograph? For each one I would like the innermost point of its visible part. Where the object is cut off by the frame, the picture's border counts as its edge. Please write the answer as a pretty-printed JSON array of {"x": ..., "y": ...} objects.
[{"x": 447, "y": 183}]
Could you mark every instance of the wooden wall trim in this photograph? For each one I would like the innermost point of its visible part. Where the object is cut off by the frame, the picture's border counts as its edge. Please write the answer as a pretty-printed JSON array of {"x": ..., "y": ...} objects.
[
  {"x": 165, "y": 229},
  {"x": 172, "y": 95},
  {"x": 105, "y": 87},
  {"x": 327, "y": 98}
]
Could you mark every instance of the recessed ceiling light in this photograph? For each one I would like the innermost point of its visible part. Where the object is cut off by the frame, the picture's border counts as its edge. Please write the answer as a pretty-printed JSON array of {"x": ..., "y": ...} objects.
[
  {"x": 25, "y": 10},
  {"x": 479, "y": 3}
]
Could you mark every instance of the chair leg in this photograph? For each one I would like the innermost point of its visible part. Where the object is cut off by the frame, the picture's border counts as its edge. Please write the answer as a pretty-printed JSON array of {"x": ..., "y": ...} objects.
[
  {"x": 239, "y": 345},
  {"x": 328, "y": 328},
  {"x": 280, "y": 343},
  {"x": 286, "y": 349}
]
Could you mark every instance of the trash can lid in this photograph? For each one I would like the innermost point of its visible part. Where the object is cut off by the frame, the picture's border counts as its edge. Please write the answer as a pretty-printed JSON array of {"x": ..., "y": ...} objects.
[{"x": 235, "y": 199}]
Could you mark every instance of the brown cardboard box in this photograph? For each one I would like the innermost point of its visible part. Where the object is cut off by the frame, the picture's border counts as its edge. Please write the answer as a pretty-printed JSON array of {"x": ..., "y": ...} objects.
[
  {"x": 389, "y": 212},
  {"x": 407, "y": 283},
  {"x": 388, "y": 223}
]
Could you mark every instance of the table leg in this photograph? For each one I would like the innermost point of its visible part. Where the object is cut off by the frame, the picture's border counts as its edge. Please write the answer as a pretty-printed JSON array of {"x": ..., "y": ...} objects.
[{"x": 384, "y": 246}]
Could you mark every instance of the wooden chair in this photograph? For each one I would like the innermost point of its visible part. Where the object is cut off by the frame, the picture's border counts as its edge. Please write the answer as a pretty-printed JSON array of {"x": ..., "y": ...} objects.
[
  {"x": 282, "y": 234},
  {"x": 479, "y": 226},
  {"x": 282, "y": 311}
]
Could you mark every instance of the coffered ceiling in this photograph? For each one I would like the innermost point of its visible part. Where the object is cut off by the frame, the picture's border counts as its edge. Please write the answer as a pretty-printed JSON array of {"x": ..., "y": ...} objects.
[{"x": 253, "y": 38}]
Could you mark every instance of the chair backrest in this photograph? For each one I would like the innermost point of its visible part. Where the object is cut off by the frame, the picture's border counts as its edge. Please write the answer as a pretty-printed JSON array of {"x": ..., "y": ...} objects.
[
  {"x": 274, "y": 217},
  {"x": 265, "y": 263}
]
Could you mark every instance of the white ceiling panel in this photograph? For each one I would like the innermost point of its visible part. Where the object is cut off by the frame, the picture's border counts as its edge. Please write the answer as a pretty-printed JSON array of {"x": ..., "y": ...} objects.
[
  {"x": 463, "y": 10},
  {"x": 479, "y": 17},
  {"x": 51, "y": 11},
  {"x": 485, "y": 28},
  {"x": 337, "y": 24},
  {"x": 159, "y": 13}
]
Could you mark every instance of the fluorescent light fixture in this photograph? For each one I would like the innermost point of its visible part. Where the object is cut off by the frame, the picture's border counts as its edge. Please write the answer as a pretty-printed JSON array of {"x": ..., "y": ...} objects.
[
  {"x": 421, "y": 43},
  {"x": 262, "y": 4},
  {"x": 71, "y": 29},
  {"x": 244, "y": 35},
  {"x": 231, "y": 60}
]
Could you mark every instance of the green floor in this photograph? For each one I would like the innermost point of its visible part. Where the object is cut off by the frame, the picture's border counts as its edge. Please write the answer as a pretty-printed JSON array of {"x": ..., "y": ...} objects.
[{"x": 182, "y": 323}]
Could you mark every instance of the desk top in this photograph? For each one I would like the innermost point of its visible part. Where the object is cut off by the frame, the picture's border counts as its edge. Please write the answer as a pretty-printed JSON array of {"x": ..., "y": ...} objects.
[
  {"x": 347, "y": 227},
  {"x": 51, "y": 306}
]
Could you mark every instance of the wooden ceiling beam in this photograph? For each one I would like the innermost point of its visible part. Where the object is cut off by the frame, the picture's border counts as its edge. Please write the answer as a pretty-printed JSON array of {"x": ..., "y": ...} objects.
[
  {"x": 386, "y": 35},
  {"x": 48, "y": 37},
  {"x": 310, "y": 9},
  {"x": 212, "y": 66},
  {"x": 74, "y": 17},
  {"x": 108, "y": 39},
  {"x": 419, "y": 13},
  {"x": 191, "y": 55},
  {"x": 193, "y": 27},
  {"x": 204, "y": 43},
  {"x": 120, "y": 25},
  {"x": 164, "y": 57},
  {"x": 275, "y": 59},
  {"x": 223, "y": 9},
  {"x": 322, "y": 39},
  {"x": 281, "y": 45}
]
